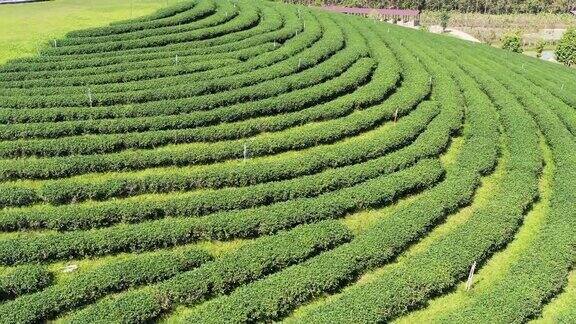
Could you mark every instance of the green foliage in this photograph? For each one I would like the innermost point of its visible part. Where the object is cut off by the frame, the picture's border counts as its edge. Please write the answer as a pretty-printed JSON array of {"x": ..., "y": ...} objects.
[
  {"x": 512, "y": 42},
  {"x": 540, "y": 48},
  {"x": 444, "y": 19},
  {"x": 97, "y": 282},
  {"x": 250, "y": 262},
  {"x": 566, "y": 49},
  {"x": 139, "y": 149},
  {"x": 22, "y": 280}
]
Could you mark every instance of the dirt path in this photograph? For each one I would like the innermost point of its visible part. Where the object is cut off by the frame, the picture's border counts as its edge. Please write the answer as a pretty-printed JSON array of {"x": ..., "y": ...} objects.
[{"x": 454, "y": 32}]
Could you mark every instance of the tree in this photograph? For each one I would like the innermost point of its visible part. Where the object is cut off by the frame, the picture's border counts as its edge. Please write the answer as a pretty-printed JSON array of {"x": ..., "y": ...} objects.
[
  {"x": 444, "y": 19},
  {"x": 540, "y": 48},
  {"x": 566, "y": 50},
  {"x": 512, "y": 42}
]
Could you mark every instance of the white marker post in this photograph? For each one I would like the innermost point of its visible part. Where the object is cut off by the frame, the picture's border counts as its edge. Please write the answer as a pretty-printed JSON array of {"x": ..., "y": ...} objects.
[
  {"x": 90, "y": 97},
  {"x": 55, "y": 44},
  {"x": 245, "y": 152},
  {"x": 396, "y": 116},
  {"x": 471, "y": 277}
]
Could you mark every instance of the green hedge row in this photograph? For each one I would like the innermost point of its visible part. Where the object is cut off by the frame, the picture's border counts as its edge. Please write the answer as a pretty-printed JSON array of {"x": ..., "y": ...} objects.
[
  {"x": 86, "y": 144},
  {"x": 189, "y": 85},
  {"x": 98, "y": 74},
  {"x": 161, "y": 17},
  {"x": 263, "y": 92},
  {"x": 198, "y": 153},
  {"x": 444, "y": 264},
  {"x": 171, "y": 231},
  {"x": 66, "y": 190},
  {"x": 536, "y": 80},
  {"x": 248, "y": 18},
  {"x": 107, "y": 144},
  {"x": 273, "y": 27},
  {"x": 543, "y": 267},
  {"x": 250, "y": 262},
  {"x": 232, "y": 123},
  {"x": 80, "y": 216},
  {"x": 274, "y": 296},
  {"x": 100, "y": 82},
  {"x": 103, "y": 78},
  {"x": 120, "y": 125},
  {"x": 22, "y": 280},
  {"x": 205, "y": 14},
  {"x": 94, "y": 283},
  {"x": 383, "y": 78}
]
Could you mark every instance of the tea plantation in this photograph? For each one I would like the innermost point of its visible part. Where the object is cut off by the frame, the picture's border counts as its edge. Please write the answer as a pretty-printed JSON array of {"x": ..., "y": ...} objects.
[{"x": 225, "y": 161}]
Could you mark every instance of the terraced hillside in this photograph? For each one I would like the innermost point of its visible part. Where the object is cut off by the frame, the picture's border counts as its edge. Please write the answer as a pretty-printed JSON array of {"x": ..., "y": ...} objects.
[{"x": 247, "y": 161}]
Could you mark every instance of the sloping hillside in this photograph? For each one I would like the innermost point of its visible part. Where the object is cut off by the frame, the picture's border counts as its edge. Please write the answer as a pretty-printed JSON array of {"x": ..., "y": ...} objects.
[{"x": 246, "y": 161}]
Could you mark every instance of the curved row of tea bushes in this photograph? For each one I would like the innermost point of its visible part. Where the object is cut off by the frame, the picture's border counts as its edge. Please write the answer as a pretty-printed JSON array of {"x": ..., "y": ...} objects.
[
  {"x": 185, "y": 154},
  {"x": 227, "y": 123},
  {"x": 104, "y": 78},
  {"x": 75, "y": 217},
  {"x": 97, "y": 144},
  {"x": 205, "y": 201},
  {"x": 98, "y": 75},
  {"x": 91, "y": 284},
  {"x": 179, "y": 102},
  {"x": 205, "y": 14},
  {"x": 446, "y": 262},
  {"x": 143, "y": 90},
  {"x": 22, "y": 280},
  {"x": 249, "y": 17},
  {"x": 384, "y": 77},
  {"x": 545, "y": 265},
  {"x": 163, "y": 17},
  {"x": 314, "y": 159},
  {"x": 173, "y": 231},
  {"x": 388, "y": 237},
  {"x": 264, "y": 256},
  {"x": 257, "y": 258},
  {"x": 547, "y": 90},
  {"x": 273, "y": 27}
]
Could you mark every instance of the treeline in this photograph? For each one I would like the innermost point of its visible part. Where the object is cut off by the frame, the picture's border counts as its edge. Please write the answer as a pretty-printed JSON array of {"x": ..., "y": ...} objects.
[{"x": 483, "y": 6}]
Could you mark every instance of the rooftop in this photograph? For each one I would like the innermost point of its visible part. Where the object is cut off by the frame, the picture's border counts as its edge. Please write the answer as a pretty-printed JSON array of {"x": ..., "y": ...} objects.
[{"x": 366, "y": 11}]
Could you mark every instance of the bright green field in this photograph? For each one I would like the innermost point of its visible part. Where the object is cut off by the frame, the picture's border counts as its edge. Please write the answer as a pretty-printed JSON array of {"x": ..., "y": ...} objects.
[{"x": 26, "y": 27}]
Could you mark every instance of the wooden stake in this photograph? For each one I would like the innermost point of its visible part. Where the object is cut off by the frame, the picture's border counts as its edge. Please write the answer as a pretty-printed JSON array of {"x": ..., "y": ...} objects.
[{"x": 471, "y": 277}]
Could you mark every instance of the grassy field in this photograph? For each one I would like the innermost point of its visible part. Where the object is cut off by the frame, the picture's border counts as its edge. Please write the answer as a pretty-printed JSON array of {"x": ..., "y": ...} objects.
[{"x": 27, "y": 27}]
